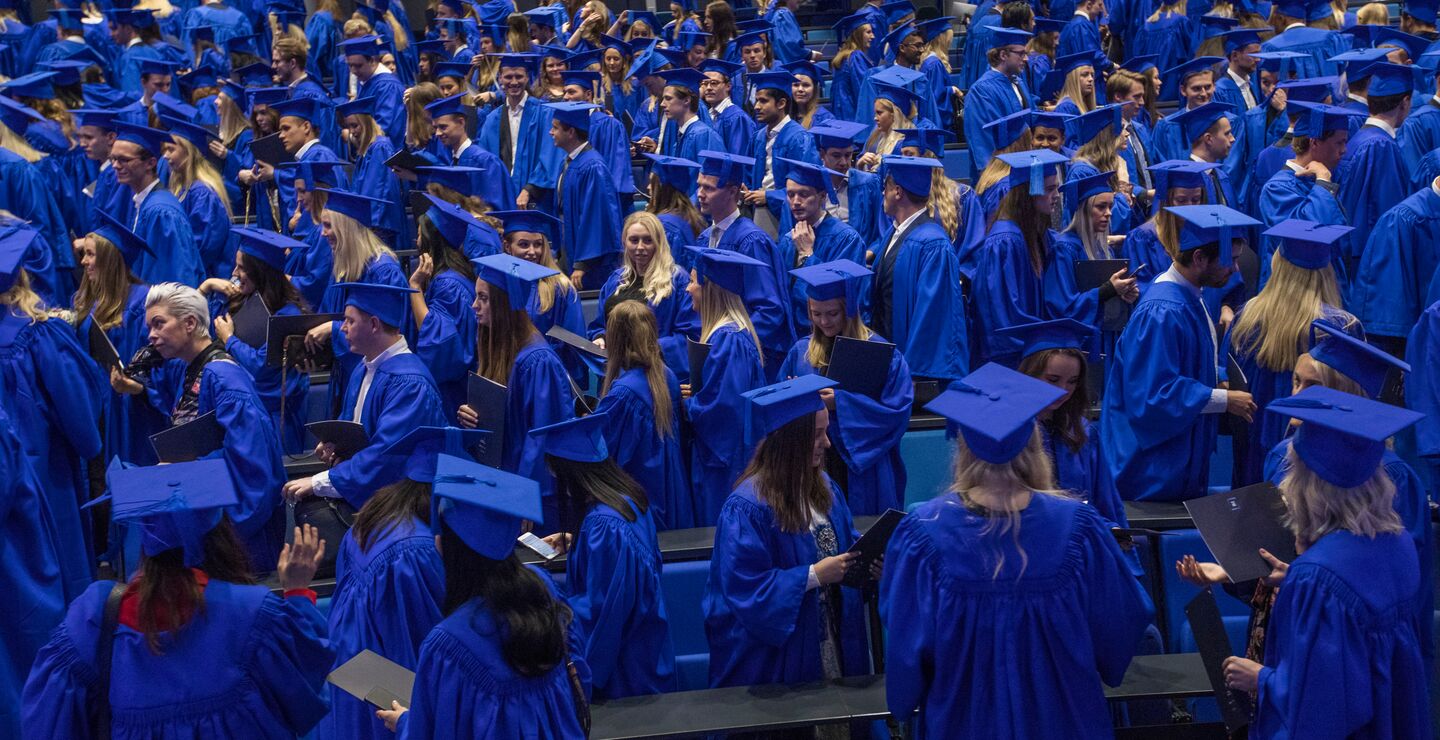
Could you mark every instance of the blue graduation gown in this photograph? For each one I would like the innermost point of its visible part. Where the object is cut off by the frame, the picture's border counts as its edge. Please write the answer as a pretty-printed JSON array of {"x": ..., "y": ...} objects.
[
  {"x": 719, "y": 452},
  {"x": 387, "y": 599},
  {"x": 55, "y": 394},
  {"x": 769, "y": 310},
  {"x": 763, "y": 626},
  {"x": 1373, "y": 178},
  {"x": 1069, "y": 620},
  {"x": 402, "y": 397},
  {"x": 163, "y": 221},
  {"x": 924, "y": 312},
  {"x": 537, "y": 159},
  {"x": 323, "y": 32},
  {"x": 285, "y": 189},
  {"x": 23, "y": 192},
  {"x": 382, "y": 270},
  {"x": 1143, "y": 248},
  {"x": 866, "y": 432},
  {"x": 1287, "y": 196},
  {"x": 1422, "y": 392},
  {"x": 371, "y": 177},
  {"x": 1316, "y": 44},
  {"x": 539, "y": 395},
  {"x": 1154, "y": 436},
  {"x": 1171, "y": 37},
  {"x": 834, "y": 240},
  {"x": 311, "y": 270},
  {"x": 129, "y": 420},
  {"x": 210, "y": 225},
  {"x": 698, "y": 137},
  {"x": 1420, "y": 133},
  {"x": 845, "y": 88},
  {"x": 863, "y": 210},
  {"x": 1083, "y": 472},
  {"x": 654, "y": 461},
  {"x": 1227, "y": 91},
  {"x": 785, "y": 37},
  {"x": 267, "y": 382},
  {"x": 325, "y": 123},
  {"x": 33, "y": 583},
  {"x": 445, "y": 340},
  {"x": 736, "y": 129},
  {"x": 250, "y": 665},
  {"x": 791, "y": 142},
  {"x": 612, "y": 575},
  {"x": 1080, "y": 34},
  {"x": 675, "y": 319},
  {"x": 679, "y": 234},
  {"x": 990, "y": 97},
  {"x": 937, "y": 80},
  {"x": 389, "y": 92},
  {"x": 609, "y": 140},
  {"x": 1007, "y": 292},
  {"x": 589, "y": 208},
  {"x": 495, "y": 188},
  {"x": 1391, "y": 287},
  {"x": 465, "y": 689},
  {"x": 1342, "y": 653},
  {"x": 1061, "y": 295}
]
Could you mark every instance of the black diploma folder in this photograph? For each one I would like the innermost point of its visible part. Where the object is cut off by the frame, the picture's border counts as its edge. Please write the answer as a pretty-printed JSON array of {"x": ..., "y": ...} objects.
[
  {"x": 102, "y": 349},
  {"x": 1091, "y": 274},
  {"x": 1235, "y": 376},
  {"x": 286, "y": 338},
  {"x": 489, "y": 400},
  {"x": 1214, "y": 647},
  {"x": 871, "y": 547},
  {"x": 1236, "y": 524},
  {"x": 578, "y": 342},
  {"x": 349, "y": 437},
  {"x": 699, "y": 353},
  {"x": 270, "y": 150},
  {"x": 375, "y": 679},
  {"x": 860, "y": 366},
  {"x": 252, "y": 321},
  {"x": 189, "y": 441},
  {"x": 408, "y": 161}
]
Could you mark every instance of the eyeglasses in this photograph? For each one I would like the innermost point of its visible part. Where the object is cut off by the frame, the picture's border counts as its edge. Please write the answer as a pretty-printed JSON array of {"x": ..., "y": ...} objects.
[
  {"x": 711, "y": 83},
  {"x": 126, "y": 161}
]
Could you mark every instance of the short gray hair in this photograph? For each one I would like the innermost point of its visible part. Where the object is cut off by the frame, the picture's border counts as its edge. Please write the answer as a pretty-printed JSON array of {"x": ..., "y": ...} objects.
[{"x": 181, "y": 301}]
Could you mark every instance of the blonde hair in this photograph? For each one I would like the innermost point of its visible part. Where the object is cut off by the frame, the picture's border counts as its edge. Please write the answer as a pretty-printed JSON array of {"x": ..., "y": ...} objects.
[
  {"x": 197, "y": 168},
  {"x": 1096, "y": 248},
  {"x": 1317, "y": 507},
  {"x": 940, "y": 47},
  {"x": 996, "y": 170},
  {"x": 944, "y": 194},
  {"x": 1031, "y": 471},
  {"x": 1167, "y": 9},
  {"x": 658, "y": 282},
  {"x": 370, "y": 132},
  {"x": 817, "y": 353},
  {"x": 1082, "y": 100},
  {"x": 849, "y": 46},
  {"x": 232, "y": 119},
  {"x": 1332, "y": 378},
  {"x": 418, "y": 131},
  {"x": 883, "y": 142},
  {"x": 718, "y": 307},
  {"x": 607, "y": 80},
  {"x": 1373, "y": 14},
  {"x": 105, "y": 294},
  {"x": 356, "y": 246},
  {"x": 517, "y": 33},
  {"x": 13, "y": 141},
  {"x": 548, "y": 289},
  {"x": 1275, "y": 325},
  {"x": 633, "y": 341},
  {"x": 182, "y": 302},
  {"x": 22, "y": 300},
  {"x": 1102, "y": 152}
]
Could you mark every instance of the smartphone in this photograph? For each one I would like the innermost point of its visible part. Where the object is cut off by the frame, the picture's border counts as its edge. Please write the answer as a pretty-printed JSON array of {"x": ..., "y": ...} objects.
[
  {"x": 1136, "y": 270},
  {"x": 541, "y": 547}
]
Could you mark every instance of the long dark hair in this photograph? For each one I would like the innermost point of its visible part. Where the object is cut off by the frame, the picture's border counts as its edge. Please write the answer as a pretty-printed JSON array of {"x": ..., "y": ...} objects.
[
  {"x": 588, "y": 483},
  {"x": 168, "y": 593},
  {"x": 1069, "y": 420},
  {"x": 270, "y": 284},
  {"x": 445, "y": 255},
  {"x": 1019, "y": 206},
  {"x": 784, "y": 477},
  {"x": 532, "y": 621},
  {"x": 500, "y": 343},
  {"x": 394, "y": 504}
]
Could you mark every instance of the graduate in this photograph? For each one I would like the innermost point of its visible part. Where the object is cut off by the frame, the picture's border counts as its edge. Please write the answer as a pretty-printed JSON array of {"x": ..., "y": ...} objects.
[
  {"x": 1273, "y": 329},
  {"x": 1374, "y": 174},
  {"x": 735, "y": 127},
  {"x": 1087, "y": 237},
  {"x": 1168, "y": 35},
  {"x": 399, "y": 395},
  {"x": 1098, "y": 143},
  {"x": 816, "y": 237},
  {"x": 612, "y": 568},
  {"x": 686, "y": 134},
  {"x": 1071, "y": 84},
  {"x": 733, "y": 365},
  {"x": 1393, "y": 285},
  {"x": 447, "y": 116},
  {"x": 95, "y": 132},
  {"x": 999, "y": 553},
  {"x": 857, "y": 192},
  {"x": 371, "y": 177},
  {"x": 1193, "y": 84},
  {"x": 1307, "y": 27},
  {"x": 475, "y": 678},
  {"x": 311, "y": 270},
  {"x": 1157, "y": 422},
  {"x": 774, "y": 608},
  {"x": 159, "y": 219},
  {"x": 362, "y": 60},
  {"x": 1239, "y": 86},
  {"x": 718, "y": 194},
  {"x": 389, "y": 583},
  {"x": 518, "y": 131},
  {"x": 780, "y": 139},
  {"x": 1011, "y": 134},
  {"x": 249, "y": 664},
  {"x": 1358, "y": 568},
  {"x": 585, "y": 197},
  {"x": 607, "y": 134},
  {"x": 916, "y": 300},
  {"x": 1208, "y": 130},
  {"x": 864, "y": 432},
  {"x": 300, "y": 135},
  {"x": 260, "y": 271},
  {"x": 850, "y": 64},
  {"x": 531, "y": 236},
  {"x": 197, "y": 185},
  {"x": 444, "y": 285},
  {"x": 289, "y": 56},
  {"x": 895, "y": 111},
  {"x": 997, "y": 93},
  {"x": 54, "y": 395},
  {"x": 939, "y": 35},
  {"x": 670, "y": 179},
  {"x": 514, "y": 354},
  {"x": 955, "y": 204},
  {"x": 649, "y": 274}
]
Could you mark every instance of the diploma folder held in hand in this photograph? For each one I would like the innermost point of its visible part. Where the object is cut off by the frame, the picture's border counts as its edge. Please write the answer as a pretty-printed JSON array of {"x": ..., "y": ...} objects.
[
  {"x": 252, "y": 321},
  {"x": 375, "y": 679},
  {"x": 871, "y": 547},
  {"x": 349, "y": 437},
  {"x": 489, "y": 400},
  {"x": 860, "y": 366},
  {"x": 189, "y": 441},
  {"x": 1236, "y": 524}
]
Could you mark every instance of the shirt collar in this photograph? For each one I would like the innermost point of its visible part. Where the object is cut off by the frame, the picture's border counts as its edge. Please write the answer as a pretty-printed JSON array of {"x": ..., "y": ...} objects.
[
  {"x": 524, "y": 98},
  {"x": 307, "y": 146},
  {"x": 572, "y": 155},
  {"x": 903, "y": 225},
  {"x": 143, "y": 194},
  {"x": 726, "y": 222},
  {"x": 400, "y": 347},
  {"x": 1357, "y": 98},
  {"x": 133, "y": 42},
  {"x": 1082, "y": 14},
  {"x": 1237, "y": 78},
  {"x": 1294, "y": 167},
  {"x": 1173, "y": 275},
  {"x": 774, "y": 130},
  {"x": 1381, "y": 124},
  {"x": 724, "y": 103},
  {"x": 686, "y": 124},
  {"x": 463, "y": 146},
  {"x": 300, "y": 79},
  {"x": 1293, "y": 25}
]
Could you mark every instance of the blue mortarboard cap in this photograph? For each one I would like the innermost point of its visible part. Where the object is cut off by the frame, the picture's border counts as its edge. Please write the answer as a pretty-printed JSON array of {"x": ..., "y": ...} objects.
[
  {"x": 675, "y": 172},
  {"x": 1421, "y": 10},
  {"x": 1307, "y": 244},
  {"x": 645, "y": 64},
  {"x": 927, "y": 139},
  {"x": 1048, "y": 119},
  {"x": 837, "y": 133},
  {"x": 780, "y": 81},
  {"x": 1357, "y": 360},
  {"x": 1179, "y": 173},
  {"x": 648, "y": 18},
  {"x": 1001, "y": 37},
  {"x": 807, "y": 68},
  {"x": 194, "y": 133},
  {"x": 434, "y": 47},
  {"x": 732, "y": 271},
  {"x": 847, "y": 25},
  {"x": 458, "y": 70},
  {"x": 359, "y": 106},
  {"x": 1054, "y": 334},
  {"x": 1055, "y": 78},
  {"x": 174, "y": 506},
  {"x": 1318, "y": 10},
  {"x": 254, "y": 74},
  {"x": 40, "y": 85},
  {"x": 762, "y": 25},
  {"x": 913, "y": 174},
  {"x": 423, "y": 446},
  {"x": 574, "y": 115},
  {"x": 1210, "y": 224},
  {"x": 389, "y": 303},
  {"x": 902, "y": 97},
  {"x": 1317, "y": 119},
  {"x": 837, "y": 279},
  {"x": 70, "y": 20},
  {"x": 728, "y": 69},
  {"x": 581, "y": 439},
  {"x": 303, "y": 107},
  {"x": 1358, "y": 61},
  {"x": 511, "y": 274},
  {"x": 131, "y": 17},
  {"x": 1413, "y": 45},
  {"x": 545, "y": 15},
  {"x": 1240, "y": 38},
  {"x": 1291, "y": 8},
  {"x": 202, "y": 76},
  {"x": 686, "y": 40},
  {"x": 244, "y": 44},
  {"x": 1217, "y": 25},
  {"x": 104, "y": 118},
  {"x": 1174, "y": 78},
  {"x": 749, "y": 38},
  {"x": 1030, "y": 168},
  {"x": 1049, "y": 25},
  {"x": 687, "y": 78},
  {"x": 452, "y": 221},
  {"x": 150, "y": 139},
  {"x": 288, "y": 17},
  {"x": 1089, "y": 125},
  {"x": 132, "y": 247},
  {"x": 15, "y": 246},
  {"x": 1309, "y": 90},
  {"x": 555, "y": 52},
  {"x": 1343, "y": 436},
  {"x": 1198, "y": 120},
  {"x": 1390, "y": 79},
  {"x": 934, "y": 27},
  {"x": 158, "y": 67},
  {"x": 675, "y": 57},
  {"x": 266, "y": 246},
  {"x": 995, "y": 408},
  {"x": 451, "y": 106},
  {"x": 16, "y": 116},
  {"x": 356, "y": 206},
  {"x": 588, "y": 79},
  {"x": 317, "y": 173},
  {"x": 812, "y": 176},
  {"x": 169, "y": 105},
  {"x": 483, "y": 506},
  {"x": 535, "y": 222},
  {"x": 368, "y": 46},
  {"x": 610, "y": 42},
  {"x": 1139, "y": 64},
  {"x": 67, "y": 71},
  {"x": 496, "y": 32},
  {"x": 897, "y": 9},
  {"x": 459, "y": 28},
  {"x": 1362, "y": 35},
  {"x": 771, "y": 407},
  {"x": 891, "y": 42},
  {"x": 728, "y": 169},
  {"x": 1081, "y": 189}
]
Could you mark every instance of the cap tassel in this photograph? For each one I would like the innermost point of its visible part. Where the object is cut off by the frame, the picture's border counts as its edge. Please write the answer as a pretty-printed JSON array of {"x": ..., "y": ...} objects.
[{"x": 1037, "y": 177}]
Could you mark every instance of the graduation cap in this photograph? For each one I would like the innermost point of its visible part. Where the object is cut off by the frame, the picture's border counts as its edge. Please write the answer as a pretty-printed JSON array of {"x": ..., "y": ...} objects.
[
  {"x": 1239, "y": 39},
  {"x": 891, "y": 43},
  {"x": 1317, "y": 119},
  {"x": 807, "y": 68},
  {"x": 458, "y": 70},
  {"x": 1413, "y": 45},
  {"x": 1030, "y": 168},
  {"x": 169, "y": 105},
  {"x": 301, "y": 106},
  {"x": 837, "y": 279},
  {"x": 150, "y": 139},
  {"x": 647, "y": 17},
  {"x": 1048, "y": 119},
  {"x": 1217, "y": 25},
  {"x": 773, "y": 406},
  {"x": 913, "y": 174},
  {"x": 1309, "y": 90},
  {"x": 531, "y": 221},
  {"x": 132, "y": 17},
  {"x": 1054, "y": 334},
  {"x": 158, "y": 67},
  {"x": 677, "y": 172},
  {"x": 38, "y": 85},
  {"x": 528, "y": 62},
  {"x": 1082, "y": 189},
  {"x": 1307, "y": 244},
  {"x": 389, "y": 303},
  {"x": 574, "y": 115},
  {"x": 930, "y": 140},
  {"x": 732, "y": 271},
  {"x": 1420, "y": 10},
  {"x": 995, "y": 408},
  {"x": 433, "y": 47},
  {"x": 837, "y": 134},
  {"x": 424, "y": 446},
  {"x": 1179, "y": 173},
  {"x": 132, "y": 248},
  {"x": 1357, "y": 360},
  {"x": 778, "y": 81},
  {"x": 1196, "y": 121},
  {"x": 15, "y": 245},
  {"x": 67, "y": 72},
  {"x": 202, "y": 76},
  {"x": 496, "y": 32},
  {"x": 1139, "y": 64},
  {"x": 315, "y": 172},
  {"x": 173, "y": 506},
  {"x": 1343, "y": 436},
  {"x": 357, "y": 107},
  {"x": 1055, "y": 78},
  {"x": 1390, "y": 79},
  {"x": 452, "y": 221},
  {"x": 451, "y": 106},
  {"x": 720, "y": 67},
  {"x": 366, "y": 46},
  {"x": 243, "y": 44},
  {"x": 288, "y": 17},
  {"x": 511, "y": 274},
  {"x": 674, "y": 57},
  {"x": 726, "y": 168},
  {"x": 102, "y": 118},
  {"x": 850, "y": 24},
  {"x": 254, "y": 74},
  {"x": 546, "y": 16},
  {"x": 483, "y": 506},
  {"x": 902, "y": 97},
  {"x": 1357, "y": 62},
  {"x": 585, "y": 79},
  {"x": 897, "y": 9},
  {"x": 1175, "y": 77},
  {"x": 266, "y": 246},
  {"x": 459, "y": 28},
  {"x": 354, "y": 205},
  {"x": 1049, "y": 25},
  {"x": 685, "y": 77},
  {"x": 610, "y": 42},
  {"x": 686, "y": 40},
  {"x": 1089, "y": 125},
  {"x": 194, "y": 133},
  {"x": 554, "y": 52},
  {"x": 812, "y": 176},
  {"x": 932, "y": 28},
  {"x": 1205, "y": 225},
  {"x": 68, "y": 19},
  {"x": 581, "y": 439}
]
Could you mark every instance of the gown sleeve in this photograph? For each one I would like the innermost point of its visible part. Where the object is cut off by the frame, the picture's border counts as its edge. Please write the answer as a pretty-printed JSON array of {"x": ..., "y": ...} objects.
[
  {"x": 57, "y": 697},
  {"x": 1117, "y": 608},
  {"x": 252, "y": 447},
  {"x": 907, "y": 592},
  {"x": 73, "y": 383},
  {"x": 441, "y": 341},
  {"x": 601, "y": 600},
  {"x": 289, "y": 656},
  {"x": 1422, "y": 389},
  {"x": 409, "y": 403},
  {"x": 765, "y": 599}
]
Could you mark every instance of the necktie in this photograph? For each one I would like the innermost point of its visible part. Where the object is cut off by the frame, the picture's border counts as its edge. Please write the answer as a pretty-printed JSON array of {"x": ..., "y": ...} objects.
[
  {"x": 1142, "y": 161},
  {"x": 505, "y": 138},
  {"x": 715, "y": 234},
  {"x": 1219, "y": 193},
  {"x": 1014, "y": 85},
  {"x": 560, "y": 183}
]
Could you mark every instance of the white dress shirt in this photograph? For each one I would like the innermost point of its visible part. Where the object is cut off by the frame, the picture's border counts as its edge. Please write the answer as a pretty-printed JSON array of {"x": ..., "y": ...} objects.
[
  {"x": 321, "y": 480},
  {"x": 718, "y": 230},
  {"x": 1219, "y": 397}
]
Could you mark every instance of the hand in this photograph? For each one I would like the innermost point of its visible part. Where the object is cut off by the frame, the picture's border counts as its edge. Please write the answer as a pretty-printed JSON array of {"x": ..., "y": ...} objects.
[
  {"x": 296, "y": 216},
  {"x": 827, "y": 396},
  {"x": 753, "y": 197},
  {"x": 684, "y": 391},
  {"x": 1200, "y": 574},
  {"x": 299, "y": 559},
  {"x": 1227, "y": 316},
  {"x": 869, "y": 257},
  {"x": 424, "y": 270},
  {"x": 868, "y": 161},
  {"x": 406, "y": 175},
  {"x": 295, "y": 490},
  {"x": 325, "y": 453},
  {"x": 467, "y": 417},
  {"x": 645, "y": 144},
  {"x": 1115, "y": 240},
  {"x": 877, "y": 568},
  {"x": 224, "y": 328},
  {"x": 1239, "y": 403},
  {"x": 804, "y": 237},
  {"x": 319, "y": 336},
  {"x": 560, "y": 541},
  {"x": 219, "y": 285},
  {"x": 832, "y": 569},
  {"x": 1279, "y": 99},
  {"x": 246, "y": 177},
  {"x": 391, "y": 716},
  {"x": 1278, "y": 568},
  {"x": 218, "y": 150},
  {"x": 405, "y": 96},
  {"x": 599, "y": 341},
  {"x": 577, "y": 278},
  {"x": 1127, "y": 188},
  {"x": 522, "y": 201},
  {"x": 1241, "y": 674},
  {"x": 1125, "y": 285},
  {"x": 1316, "y": 170},
  {"x": 124, "y": 385},
  {"x": 264, "y": 172}
]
